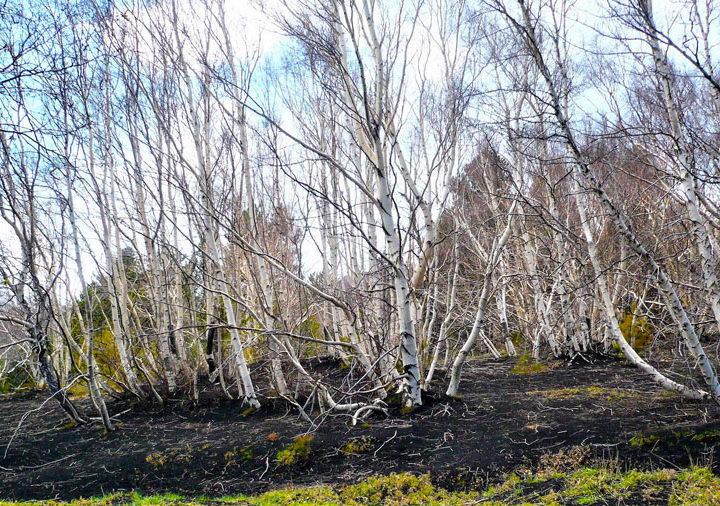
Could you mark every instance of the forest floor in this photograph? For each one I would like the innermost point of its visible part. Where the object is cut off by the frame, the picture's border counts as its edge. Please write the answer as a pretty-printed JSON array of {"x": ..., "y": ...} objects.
[{"x": 510, "y": 421}]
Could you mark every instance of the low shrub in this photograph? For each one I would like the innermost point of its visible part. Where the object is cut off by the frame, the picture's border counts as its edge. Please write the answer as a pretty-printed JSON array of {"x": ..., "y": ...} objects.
[{"x": 297, "y": 454}]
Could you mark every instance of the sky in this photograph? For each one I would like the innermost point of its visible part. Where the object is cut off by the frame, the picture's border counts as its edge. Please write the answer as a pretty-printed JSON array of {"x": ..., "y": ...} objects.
[{"x": 252, "y": 24}]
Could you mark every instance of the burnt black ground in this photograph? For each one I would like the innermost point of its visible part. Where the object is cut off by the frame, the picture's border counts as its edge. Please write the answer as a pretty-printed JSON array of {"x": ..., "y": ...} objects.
[{"x": 503, "y": 421}]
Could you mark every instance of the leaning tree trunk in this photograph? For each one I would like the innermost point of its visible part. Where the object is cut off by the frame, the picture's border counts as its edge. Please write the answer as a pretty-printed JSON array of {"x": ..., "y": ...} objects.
[
  {"x": 493, "y": 259},
  {"x": 96, "y": 396},
  {"x": 609, "y": 310},
  {"x": 442, "y": 334},
  {"x": 682, "y": 152},
  {"x": 582, "y": 168}
]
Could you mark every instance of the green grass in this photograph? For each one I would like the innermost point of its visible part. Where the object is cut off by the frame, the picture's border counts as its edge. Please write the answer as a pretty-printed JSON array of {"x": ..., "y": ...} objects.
[{"x": 544, "y": 487}]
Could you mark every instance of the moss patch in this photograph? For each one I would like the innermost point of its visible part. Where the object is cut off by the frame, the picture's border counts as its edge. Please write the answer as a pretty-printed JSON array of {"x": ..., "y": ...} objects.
[
  {"x": 524, "y": 364},
  {"x": 603, "y": 485},
  {"x": 547, "y": 487},
  {"x": 297, "y": 454},
  {"x": 358, "y": 446},
  {"x": 593, "y": 392},
  {"x": 695, "y": 486}
]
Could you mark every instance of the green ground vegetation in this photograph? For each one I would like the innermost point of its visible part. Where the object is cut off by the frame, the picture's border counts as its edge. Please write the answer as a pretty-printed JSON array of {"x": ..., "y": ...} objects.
[
  {"x": 552, "y": 485},
  {"x": 525, "y": 364}
]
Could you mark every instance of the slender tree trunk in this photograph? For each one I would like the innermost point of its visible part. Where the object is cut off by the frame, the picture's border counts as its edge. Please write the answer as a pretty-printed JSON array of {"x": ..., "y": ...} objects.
[
  {"x": 683, "y": 155},
  {"x": 582, "y": 168},
  {"x": 609, "y": 310},
  {"x": 493, "y": 259}
]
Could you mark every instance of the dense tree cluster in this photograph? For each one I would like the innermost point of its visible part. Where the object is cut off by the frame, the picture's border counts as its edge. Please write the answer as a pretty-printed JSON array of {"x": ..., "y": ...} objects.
[{"x": 394, "y": 184}]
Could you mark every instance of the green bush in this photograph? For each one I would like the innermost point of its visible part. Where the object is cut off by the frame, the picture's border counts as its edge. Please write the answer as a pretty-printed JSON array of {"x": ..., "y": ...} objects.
[
  {"x": 517, "y": 339},
  {"x": 639, "y": 335},
  {"x": 16, "y": 380},
  {"x": 297, "y": 454}
]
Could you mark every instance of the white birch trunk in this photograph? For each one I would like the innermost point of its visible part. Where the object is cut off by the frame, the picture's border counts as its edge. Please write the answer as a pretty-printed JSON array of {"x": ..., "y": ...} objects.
[
  {"x": 493, "y": 259},
  {"x": 609, "y": 310},
  {"x": 501, "y": 301},
  {"x": 449, "y": 309},
  {"x": 682, "y": 152},
  {"x": 619, "y": 221}
]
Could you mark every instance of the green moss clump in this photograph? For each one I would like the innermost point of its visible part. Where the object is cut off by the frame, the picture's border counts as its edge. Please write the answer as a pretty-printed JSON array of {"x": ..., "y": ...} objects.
[
  {"x": 639, "y": 334},
  {"x": 696, "y": 486},
  {"x": 407, "y": 410},
  {"x": 707, "y": 437},
  {"x": 242, "y": 454},
  {"x": 358, "y": 446},
  {"x": 156, "y": 459},
  {"x": 160, "y": 500},
  {"x": 402, "y": 489},
  {"x": 640, "y": 440},
  {"x": 297, "y": 454},
  {"x": 604, "y": 485},
  {"x": 524, "y": 364},
  {"x": 508, "y": 487}
]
